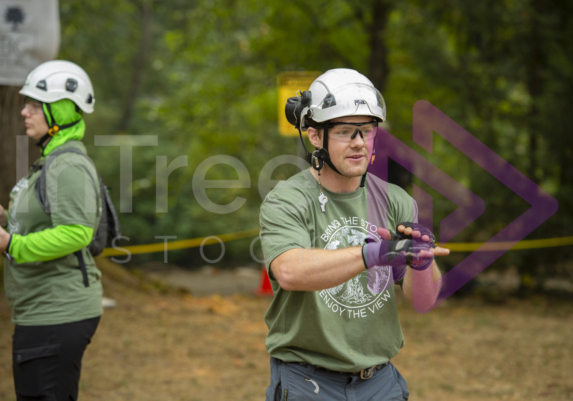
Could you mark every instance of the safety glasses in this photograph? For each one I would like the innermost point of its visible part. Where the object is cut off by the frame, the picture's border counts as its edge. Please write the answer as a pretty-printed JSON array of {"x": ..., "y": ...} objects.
[
  {"x": 33, "y": 107},
  {"x": 346, "y": 132}
]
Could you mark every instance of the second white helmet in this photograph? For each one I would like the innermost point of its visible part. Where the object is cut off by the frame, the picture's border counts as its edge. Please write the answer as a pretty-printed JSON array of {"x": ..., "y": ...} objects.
[
  {"x": 58, "y": 79},
  {"x": 342, "y": 92}
]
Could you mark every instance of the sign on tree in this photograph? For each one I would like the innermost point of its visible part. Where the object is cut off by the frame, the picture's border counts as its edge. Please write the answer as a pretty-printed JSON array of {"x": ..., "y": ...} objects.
[{"x": 29, "y": 36}]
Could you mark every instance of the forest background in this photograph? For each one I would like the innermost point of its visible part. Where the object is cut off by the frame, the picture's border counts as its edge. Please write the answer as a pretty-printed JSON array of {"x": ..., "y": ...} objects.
[{"x": 202, "y": 76}]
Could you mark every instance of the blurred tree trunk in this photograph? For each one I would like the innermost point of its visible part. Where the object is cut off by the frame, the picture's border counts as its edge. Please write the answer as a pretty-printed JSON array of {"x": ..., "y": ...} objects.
[
  {"x": 378, "y": 72},
  {"x": 11, "y": 125},
  {"x": 535, "y": 72},
  {"x": 138, "y": 65},
  {"x": 376, "y": 30},
  {"x": 378, "y": 63}
]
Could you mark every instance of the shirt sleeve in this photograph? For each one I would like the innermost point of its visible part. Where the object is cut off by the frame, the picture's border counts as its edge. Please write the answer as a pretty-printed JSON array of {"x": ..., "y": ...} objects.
[
  {"x": 282, "y": 228},
  {"x": 404, "y": 207},
  {"x": 72, "y": 190},
  {"x": 49, "y": 244}
]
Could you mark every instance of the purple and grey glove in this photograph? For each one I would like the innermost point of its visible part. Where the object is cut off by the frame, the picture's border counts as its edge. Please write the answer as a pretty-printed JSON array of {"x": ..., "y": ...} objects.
[{"x": 400, "y": 249}]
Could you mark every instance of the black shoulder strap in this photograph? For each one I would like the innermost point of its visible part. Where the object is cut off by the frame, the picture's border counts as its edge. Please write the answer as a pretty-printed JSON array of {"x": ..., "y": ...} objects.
[
  {"x": 44, "y": 202},
  {"x": 113, "y": 218},
  {"x": 83, "y": 269}
]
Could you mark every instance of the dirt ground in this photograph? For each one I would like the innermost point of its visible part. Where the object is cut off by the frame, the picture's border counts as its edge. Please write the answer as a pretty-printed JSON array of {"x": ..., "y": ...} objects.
[{"x": 161, "y": 344}]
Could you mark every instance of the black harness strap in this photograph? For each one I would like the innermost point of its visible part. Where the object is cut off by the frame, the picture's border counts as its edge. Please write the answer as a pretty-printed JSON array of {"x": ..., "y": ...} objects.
[
  {"x": 324, "y": 156},
  {"x": 325, "y": 147},
  {"x": 80, "y": 257}
]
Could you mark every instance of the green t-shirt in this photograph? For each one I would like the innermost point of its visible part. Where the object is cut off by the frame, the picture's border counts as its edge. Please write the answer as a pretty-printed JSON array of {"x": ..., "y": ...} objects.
[
  {"x": 53, "y": 292},
  {"x": 354, "y": 325}
]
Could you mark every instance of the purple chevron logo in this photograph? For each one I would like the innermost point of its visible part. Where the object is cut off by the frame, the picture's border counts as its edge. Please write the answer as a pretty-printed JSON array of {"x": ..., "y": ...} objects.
[{"x": 428, "y": 119}]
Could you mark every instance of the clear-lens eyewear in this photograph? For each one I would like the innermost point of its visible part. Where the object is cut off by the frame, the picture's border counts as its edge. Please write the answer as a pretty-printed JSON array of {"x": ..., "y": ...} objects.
[
  {"x": 346, "y": 132},
  {"x": 33, "y": 107}
]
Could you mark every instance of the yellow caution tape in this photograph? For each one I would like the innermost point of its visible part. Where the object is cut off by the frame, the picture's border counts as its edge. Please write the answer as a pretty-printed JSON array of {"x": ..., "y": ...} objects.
[
  {"x": 183, "y": 244},
  {"x": 454, "y": 247},
  {"x": 513, "y": 245}
]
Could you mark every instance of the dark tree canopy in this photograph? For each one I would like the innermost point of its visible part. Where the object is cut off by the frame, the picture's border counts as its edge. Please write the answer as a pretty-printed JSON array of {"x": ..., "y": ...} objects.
[{"x": 202, "y": 77}]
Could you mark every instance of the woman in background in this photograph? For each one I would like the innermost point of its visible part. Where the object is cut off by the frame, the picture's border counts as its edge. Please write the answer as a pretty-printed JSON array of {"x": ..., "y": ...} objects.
[{"x": 50, "y": 277}]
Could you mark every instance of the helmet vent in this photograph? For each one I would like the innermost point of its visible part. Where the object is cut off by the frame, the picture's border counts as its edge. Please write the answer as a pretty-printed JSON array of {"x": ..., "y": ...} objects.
[
  {"x": 42, "y": 85},
  {"x": 71, "y": 85},
  {"x": 90, "y": 99},
  {"x": 329, "y": 101}
]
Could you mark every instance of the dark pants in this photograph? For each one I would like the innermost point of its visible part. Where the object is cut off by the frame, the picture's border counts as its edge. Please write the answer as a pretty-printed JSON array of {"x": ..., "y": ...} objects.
[
  {"x": 47, "y": 360},
  {"x": 293, "y": 382}
]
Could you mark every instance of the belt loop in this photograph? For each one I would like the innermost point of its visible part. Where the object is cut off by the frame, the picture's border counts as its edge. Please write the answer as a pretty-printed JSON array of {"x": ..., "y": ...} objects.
[{"x": 309, "y": 369}]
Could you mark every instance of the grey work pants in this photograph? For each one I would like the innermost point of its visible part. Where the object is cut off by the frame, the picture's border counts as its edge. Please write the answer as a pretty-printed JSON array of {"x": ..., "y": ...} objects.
[{"x": 294, "y": 382}]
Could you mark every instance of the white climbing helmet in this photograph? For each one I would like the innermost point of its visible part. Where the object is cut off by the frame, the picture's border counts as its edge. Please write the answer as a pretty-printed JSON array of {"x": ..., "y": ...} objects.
[
  {"x": 343, "y": 92},
  {"x": 58, "y": 79}
]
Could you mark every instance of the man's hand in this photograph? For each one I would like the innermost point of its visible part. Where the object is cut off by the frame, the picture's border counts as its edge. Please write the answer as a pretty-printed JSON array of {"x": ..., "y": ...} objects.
[
  {"x": 4, "y": 240},
  {"x": 399, "y": 250},
  {"x": 416, "y": 247},
  {"x": 421, "y": 288},
  {"x": 3, "y": 217},
  {"x": 412, "y": 231}
]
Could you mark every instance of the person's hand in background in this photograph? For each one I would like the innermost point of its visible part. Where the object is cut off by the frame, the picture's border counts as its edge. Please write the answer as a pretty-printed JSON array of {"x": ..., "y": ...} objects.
[
  {"x": 3, "y": 217},
  {"x": 4, "y": 240}
]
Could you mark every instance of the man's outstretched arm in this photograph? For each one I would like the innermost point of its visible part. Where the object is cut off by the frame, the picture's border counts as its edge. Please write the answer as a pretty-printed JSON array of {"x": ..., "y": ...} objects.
[
  {"x": 316, "y": 269},
  {"x": 427, "y": 286}
]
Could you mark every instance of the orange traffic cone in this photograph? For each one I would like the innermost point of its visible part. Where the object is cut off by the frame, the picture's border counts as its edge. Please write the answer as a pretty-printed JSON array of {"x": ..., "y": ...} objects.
[{"x": 265, "y": 288}]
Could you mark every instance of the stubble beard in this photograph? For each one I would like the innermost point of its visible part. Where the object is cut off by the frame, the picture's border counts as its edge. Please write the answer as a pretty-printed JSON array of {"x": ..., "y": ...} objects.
[{"x": 348, "y": 170}]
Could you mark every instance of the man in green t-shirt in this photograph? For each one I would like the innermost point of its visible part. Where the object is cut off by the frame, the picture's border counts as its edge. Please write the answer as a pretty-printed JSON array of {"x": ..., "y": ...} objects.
[{"x": 333, "y": 323}]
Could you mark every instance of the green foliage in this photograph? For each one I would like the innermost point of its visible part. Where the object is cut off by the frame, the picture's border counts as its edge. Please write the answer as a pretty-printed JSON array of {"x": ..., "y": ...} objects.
[
  {"x": 207, "y": 86},
  {"x": 510, "y": 66}
]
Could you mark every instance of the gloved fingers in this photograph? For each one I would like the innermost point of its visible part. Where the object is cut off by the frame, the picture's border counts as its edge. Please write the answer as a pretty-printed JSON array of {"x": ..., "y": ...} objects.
[
  {"x": 407, "y": 231},
  {"x": 396, "y": 253},
  {"x": 384, "y": 233},
  {"x": 420, "y": 260},
  {"x": 396, "y": 259},
  {"x": 412, "y": 258},
  {"x": 419, "y": 255},
  {"x": 415, "y": 231},
  {"x": 385, "y": 253},
  {"x": 412, "y": 233}
]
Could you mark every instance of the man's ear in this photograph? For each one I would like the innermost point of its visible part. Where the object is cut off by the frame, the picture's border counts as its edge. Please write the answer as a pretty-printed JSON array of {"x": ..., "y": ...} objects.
[{"x": 314, "y": 137}]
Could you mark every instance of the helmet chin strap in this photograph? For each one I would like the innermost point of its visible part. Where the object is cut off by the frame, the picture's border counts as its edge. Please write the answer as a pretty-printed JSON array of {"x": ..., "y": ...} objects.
[
  {"x": 329, "y": 161},
  {"x": 325, "y": 147},
  {"x": 321, "y": 156}
]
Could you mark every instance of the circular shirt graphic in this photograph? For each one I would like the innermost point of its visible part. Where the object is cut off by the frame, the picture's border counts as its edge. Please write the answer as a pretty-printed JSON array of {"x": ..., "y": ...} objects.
[{"x": 368, "y": 286}]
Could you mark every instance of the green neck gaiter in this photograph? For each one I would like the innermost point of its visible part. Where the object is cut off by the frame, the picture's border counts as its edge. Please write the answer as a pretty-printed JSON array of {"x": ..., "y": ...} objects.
[{"x": 63, "y": 113}]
